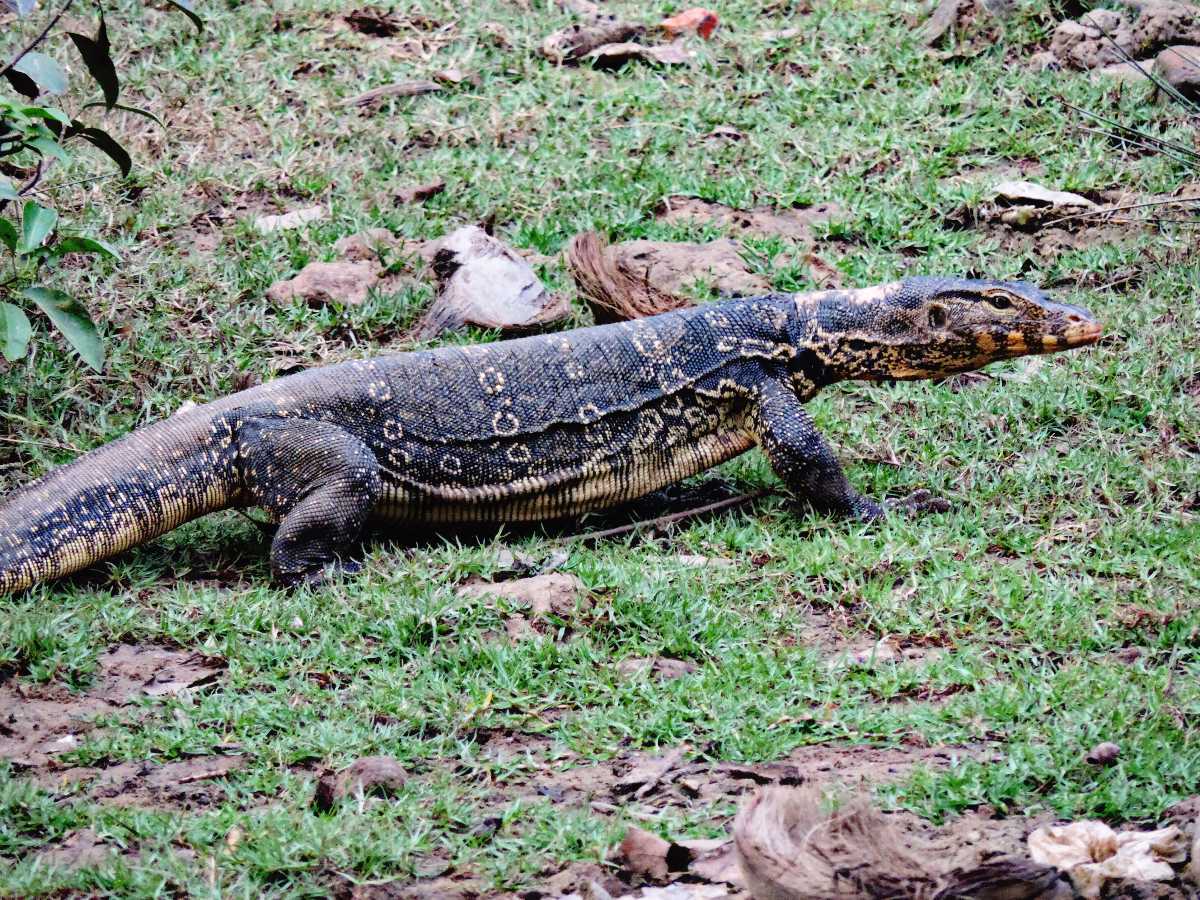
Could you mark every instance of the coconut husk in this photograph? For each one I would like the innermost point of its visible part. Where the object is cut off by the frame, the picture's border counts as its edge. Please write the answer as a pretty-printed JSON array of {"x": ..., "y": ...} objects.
[
  {"x": 792, "y": 846},
  {"x": 613, "y": 292}
]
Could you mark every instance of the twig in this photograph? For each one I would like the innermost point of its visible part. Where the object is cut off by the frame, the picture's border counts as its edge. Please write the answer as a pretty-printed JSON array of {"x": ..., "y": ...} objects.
[
  {"x": 41, "y": 37},
  {"x": 661, "y": 521},
  {"x": 1147, "y": 144},
  {"x": 1160, "y": 83},
  {"x": 1178, "y": 148},
  {"x": 1112, "y": 209}
]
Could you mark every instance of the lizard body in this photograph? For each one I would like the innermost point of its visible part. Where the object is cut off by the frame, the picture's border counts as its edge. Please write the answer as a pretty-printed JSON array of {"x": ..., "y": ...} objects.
[{"x": 528, "y": 429}]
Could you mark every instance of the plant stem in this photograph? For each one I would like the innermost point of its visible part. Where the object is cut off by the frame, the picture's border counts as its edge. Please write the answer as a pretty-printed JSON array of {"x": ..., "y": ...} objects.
[{"x": 41, "y": 37}]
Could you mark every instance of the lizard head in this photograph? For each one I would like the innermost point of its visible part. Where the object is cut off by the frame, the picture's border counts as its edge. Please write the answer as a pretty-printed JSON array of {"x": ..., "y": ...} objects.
[{"x": 931, "y": 327}]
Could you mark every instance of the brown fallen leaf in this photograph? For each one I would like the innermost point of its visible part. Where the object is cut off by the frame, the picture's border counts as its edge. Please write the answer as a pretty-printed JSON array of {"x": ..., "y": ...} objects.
[
  {"x": 497, "y": 35},
  {"x": 696, "y": 20},
  {"x": 1030, "y": 192},
  {"x": 418, "y": 193},
  {"x": 782, "y": 34},
  {"x": 940, "y": 21},
  {"x": 450, "y": 75},
  {"x": 555, "y": 593},
  {"x": 645, "y": 854},
  {"x": 483, "y": 282},
  {"x": 328, "y": 282},
  {"x": 576, "y": 41},
  {"x": 398, "y": 89},
  {"x": 616, "y": 55},
  {"x": 381, "y": 774},
  {"x": 373, "y": 22},
  {"x": 294, "y": 219}
]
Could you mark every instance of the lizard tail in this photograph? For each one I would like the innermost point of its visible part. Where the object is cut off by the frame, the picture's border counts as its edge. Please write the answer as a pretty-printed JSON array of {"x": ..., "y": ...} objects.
[{"x": 117, "y": 496}]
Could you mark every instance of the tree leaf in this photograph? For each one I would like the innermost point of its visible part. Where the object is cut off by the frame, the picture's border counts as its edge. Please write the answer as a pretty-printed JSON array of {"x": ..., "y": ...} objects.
[
  {"x": 97, "y": 56},
  {"x": 185, "y": 7},
  {"x": 129, "y": 109},
  {"x": 14, "y": 332},
  {"x": 44, "y": 70},
  {"x": 79, "y": 244},
  {"x": 71, "y": 318},
  {"x": 8, "y": 234},
  {"x": 21, "y": 7},
  {"x": 21, "y": 83},
  {"x": 104, "y": 141},
  {"x": 7, "y": 191},
  {"x": 50, "y": 113},
  {"x": 36, "y": 224},
  {"x": 49, "y": 147}
]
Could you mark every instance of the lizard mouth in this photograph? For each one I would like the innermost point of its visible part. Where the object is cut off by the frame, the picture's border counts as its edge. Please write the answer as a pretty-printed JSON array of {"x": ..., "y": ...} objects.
[{"x": 1077, "y": 334}]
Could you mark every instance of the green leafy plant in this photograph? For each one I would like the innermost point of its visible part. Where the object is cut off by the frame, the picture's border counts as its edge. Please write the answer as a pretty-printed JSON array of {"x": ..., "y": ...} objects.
[{"x": 33, "y": 137}]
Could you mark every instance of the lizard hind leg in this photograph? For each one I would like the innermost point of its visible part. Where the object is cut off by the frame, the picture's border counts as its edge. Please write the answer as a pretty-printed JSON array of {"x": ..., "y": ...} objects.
[{"x": 317, "y": 480}]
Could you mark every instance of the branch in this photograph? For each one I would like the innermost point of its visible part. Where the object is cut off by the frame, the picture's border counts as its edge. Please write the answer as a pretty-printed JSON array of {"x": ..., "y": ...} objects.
[{"x": 37, "y": 40}]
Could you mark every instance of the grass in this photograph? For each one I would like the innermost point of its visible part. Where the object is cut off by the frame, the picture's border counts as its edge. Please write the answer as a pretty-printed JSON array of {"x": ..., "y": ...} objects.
[{"x": 1073, "y": 534}]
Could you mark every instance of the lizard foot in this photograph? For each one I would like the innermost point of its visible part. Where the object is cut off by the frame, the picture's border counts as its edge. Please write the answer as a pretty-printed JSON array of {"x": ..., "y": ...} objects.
[
  {"x": 316, "y": 578},
  {"x": 918, "y": 502}
]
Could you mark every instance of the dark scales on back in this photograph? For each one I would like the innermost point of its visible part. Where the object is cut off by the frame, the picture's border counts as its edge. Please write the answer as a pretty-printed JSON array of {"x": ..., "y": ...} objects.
[{"x": 529, "y": 429}]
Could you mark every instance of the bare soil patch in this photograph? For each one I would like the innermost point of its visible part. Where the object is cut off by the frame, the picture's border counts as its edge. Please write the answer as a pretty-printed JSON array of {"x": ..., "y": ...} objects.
[{"x": 38, "y": 722}]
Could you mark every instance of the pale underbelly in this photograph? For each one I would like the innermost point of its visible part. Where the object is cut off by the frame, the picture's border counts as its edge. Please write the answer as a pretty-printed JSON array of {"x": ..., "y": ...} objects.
[{"x": 590, "y": 486}]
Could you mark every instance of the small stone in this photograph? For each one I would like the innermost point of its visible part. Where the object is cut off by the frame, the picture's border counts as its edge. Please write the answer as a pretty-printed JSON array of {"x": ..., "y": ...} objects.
[{"x": 1103, "y": 754}]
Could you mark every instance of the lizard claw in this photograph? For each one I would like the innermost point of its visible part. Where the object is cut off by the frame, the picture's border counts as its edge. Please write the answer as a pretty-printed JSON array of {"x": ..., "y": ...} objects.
[{"x": 919, "y": 501}]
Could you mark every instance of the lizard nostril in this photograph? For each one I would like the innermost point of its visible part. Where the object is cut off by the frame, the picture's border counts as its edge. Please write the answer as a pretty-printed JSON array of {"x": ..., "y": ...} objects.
[{"x": 1074, "y": 318}]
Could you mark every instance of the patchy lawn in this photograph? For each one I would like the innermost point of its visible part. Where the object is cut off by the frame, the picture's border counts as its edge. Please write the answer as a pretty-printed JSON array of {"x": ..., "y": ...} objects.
[{"x": 165, "y": 719}]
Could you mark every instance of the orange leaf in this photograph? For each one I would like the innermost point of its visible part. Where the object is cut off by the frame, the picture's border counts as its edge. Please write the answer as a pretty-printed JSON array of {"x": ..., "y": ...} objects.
[{"x": 696, "y": 20}]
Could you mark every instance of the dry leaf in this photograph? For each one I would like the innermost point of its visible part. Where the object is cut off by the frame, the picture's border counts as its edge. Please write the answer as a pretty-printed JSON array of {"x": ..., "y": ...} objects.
[
  {"x": 451, "y": 75},
  {"x": 399, "y": 89},
  {"x": 696, "y": 20},
  {"x": 645, "y": 854},
  {"x": 663, "y": 667},
  {"x": 1029, "y": 192},
  {"x": 268, "y": 224},
  {"x": 613, "y": 56},
  {"x": 576, "y": 41},
  {"x": 418, "y": 193},
  {"x": 322, "y": 282},
  {"x": 1092, "y": 853}
]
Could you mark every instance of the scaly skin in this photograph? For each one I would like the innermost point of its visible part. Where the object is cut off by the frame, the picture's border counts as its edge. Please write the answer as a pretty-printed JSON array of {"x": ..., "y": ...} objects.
[{"x": 528, "y": 429}]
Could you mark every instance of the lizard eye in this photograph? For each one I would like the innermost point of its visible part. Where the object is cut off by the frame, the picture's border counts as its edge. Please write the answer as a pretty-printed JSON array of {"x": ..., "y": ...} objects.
[
  {"x": 999, "y": 301},
  {"x": 938, "y": 317}
]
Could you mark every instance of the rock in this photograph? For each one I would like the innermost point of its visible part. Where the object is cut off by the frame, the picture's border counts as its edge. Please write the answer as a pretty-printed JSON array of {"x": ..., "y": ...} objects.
[
  {"x": 1126, "y": 71},
  {"x": 1179, "y": 66},
  {"x": 322, "y": 282},
  {"x": 555, "y": 593},
  {"x": 483, "y": 282},
  {"x": 381, "y": 774},
  {"x": 1083, "y": 45},
  {"x": 1103, "y": 754}
]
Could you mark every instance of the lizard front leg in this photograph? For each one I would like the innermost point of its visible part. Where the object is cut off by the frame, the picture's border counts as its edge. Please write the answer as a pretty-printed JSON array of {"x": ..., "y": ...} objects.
[
  {"x": 319, "y": 481},
  {"x": 800, "y": 456}
]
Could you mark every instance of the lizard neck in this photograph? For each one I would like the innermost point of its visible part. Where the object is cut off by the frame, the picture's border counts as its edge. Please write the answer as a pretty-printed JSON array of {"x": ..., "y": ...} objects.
[{"x": 836, "y": 333}]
